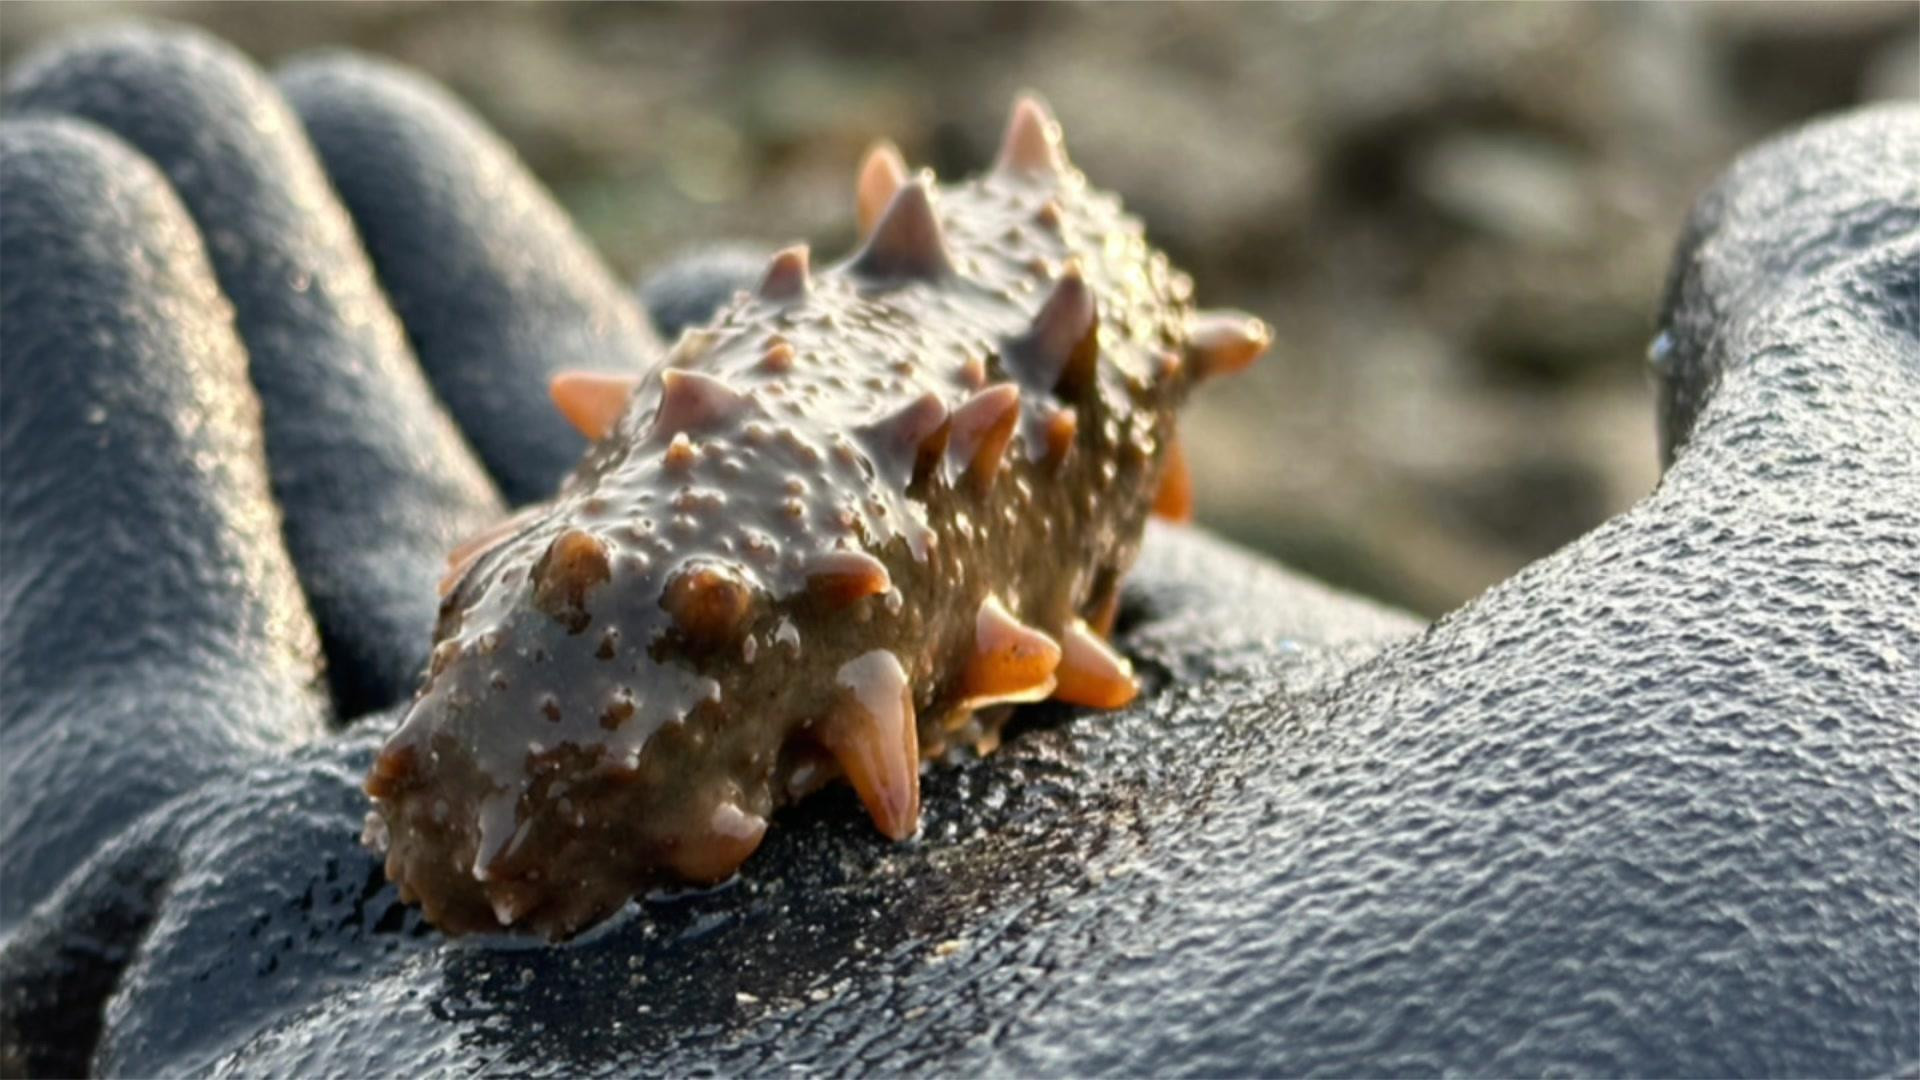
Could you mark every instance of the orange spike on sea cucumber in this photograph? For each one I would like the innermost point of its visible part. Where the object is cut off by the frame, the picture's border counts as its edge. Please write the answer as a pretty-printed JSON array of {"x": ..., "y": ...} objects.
[
  {"x": 1032, "y": 143},
  {"x": 918, "y": 433},
  {"x": 1091, "y": 673},
  {"x": 468, "y": 551},
  {"x": 1062, "y": 427},
  {"x": 513, "y": 900},
  {"x": 716, "y": 847},
  {"x": 458, "y": 570},
  {"x": 838, "y": 578},
  {"x": 787, "y": 276},
  {"x": 680, "y": 453},
  {"x": 690, "y": 400},
  {"x": 1062, "y": 344},
  {"x": 1223, "y": 342},
  {"x": 907, "y": 242},
  {"x": 872, "y": 733},
  {"x": 882, "y": 172},
  {"x": 982, "y": 428},
  {"x": 591, "y": 402},
  {"x": 1011, "y": 660},
  {"x": 694, "y": 344},
  {"x": 1174, "y": 498}
]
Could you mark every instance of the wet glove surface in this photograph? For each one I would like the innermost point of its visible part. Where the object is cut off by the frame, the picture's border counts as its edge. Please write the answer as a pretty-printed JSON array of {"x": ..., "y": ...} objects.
[{"x": 1646, "y": 808}]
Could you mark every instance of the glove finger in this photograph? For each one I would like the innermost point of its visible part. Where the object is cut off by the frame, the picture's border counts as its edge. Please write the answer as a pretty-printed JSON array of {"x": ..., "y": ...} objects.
[
  {"x": 497, "y": 289},
  {"x": 372, "y": 477},
  {"x": 62, "y": 962},
  {"x": 155, "y": 633}
]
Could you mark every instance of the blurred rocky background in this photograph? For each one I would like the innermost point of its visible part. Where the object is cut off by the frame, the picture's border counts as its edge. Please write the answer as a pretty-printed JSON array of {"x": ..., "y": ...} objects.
[{"x": 1456, "y": 217}]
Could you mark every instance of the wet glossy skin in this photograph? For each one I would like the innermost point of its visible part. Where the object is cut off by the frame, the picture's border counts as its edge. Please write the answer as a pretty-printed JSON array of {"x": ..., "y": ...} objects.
[{"x": 856, "y": 510}]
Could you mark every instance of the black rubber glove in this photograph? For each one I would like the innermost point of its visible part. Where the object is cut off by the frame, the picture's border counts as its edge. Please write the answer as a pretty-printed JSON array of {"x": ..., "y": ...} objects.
[{"x": 1647, "y": 808}]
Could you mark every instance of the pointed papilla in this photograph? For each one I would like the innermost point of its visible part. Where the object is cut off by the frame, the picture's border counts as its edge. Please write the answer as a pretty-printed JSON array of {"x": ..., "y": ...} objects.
[
  {"x": 492, "y": 534},
  {"x": 714, "y": 850},
  {"x": 907, "y": 242},
  {"x": 838, "y": 578},
  {"x": 1062, "y": 428},
  {"x": 590, "y": 401},
  {"x": 680, "y": 453},
  {"x": 981, "y": 430},
  {"x": 1062, "y": 345},
  {"x": 690, "y": 401},
  {"x": 1011, "y": 661},
  {"x": 513, "y": 900},
  {"x": 695, "y": 342},
  {"x": 788, "y": 275},
  {"x": 1223, "y": 342},
  {"x": 882, "y": 173},
  {"x": 1174, "y": 498},
  {"x": 470, "y": 550},
  {"x": 917, "y": 433},
  {"x": 1091, "y": 673},
  {"x": 1031, "y": 146},
  {"x": 873, "y": 735}
]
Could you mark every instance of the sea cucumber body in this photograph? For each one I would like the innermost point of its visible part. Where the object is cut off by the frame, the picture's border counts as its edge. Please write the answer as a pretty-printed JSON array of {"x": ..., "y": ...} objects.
[{"x": 837, "y": 529}]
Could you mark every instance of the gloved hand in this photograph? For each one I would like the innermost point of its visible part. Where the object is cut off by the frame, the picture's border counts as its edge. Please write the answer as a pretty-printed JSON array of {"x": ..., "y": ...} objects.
[{"x": 269, "y": 351}]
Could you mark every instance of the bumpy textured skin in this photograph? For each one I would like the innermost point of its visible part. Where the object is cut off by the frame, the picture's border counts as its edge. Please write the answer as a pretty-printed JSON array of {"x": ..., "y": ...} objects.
[
  {"x": 625, "y": 689},
  {"x": 1646, "y": 809}
]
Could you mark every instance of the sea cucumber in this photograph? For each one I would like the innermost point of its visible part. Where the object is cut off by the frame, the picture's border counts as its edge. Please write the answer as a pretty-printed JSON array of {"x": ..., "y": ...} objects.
[{"x": 841, "y": 528}]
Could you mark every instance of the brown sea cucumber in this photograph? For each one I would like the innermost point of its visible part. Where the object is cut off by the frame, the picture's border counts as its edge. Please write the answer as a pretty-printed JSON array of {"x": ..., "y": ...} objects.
[{"x": 844, "y": 526}]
